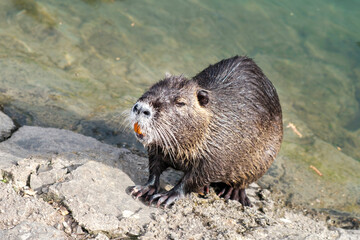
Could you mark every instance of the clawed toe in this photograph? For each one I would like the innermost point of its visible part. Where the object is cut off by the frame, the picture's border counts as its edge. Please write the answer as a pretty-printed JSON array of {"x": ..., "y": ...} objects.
[
  {"x": 150, "y": 194},
  {"x": 244, "y": 200},
  {"x": 154, "y": 197},
  {"x": 207, "y": 189},
  {"x": 165, "y": 199},
  {"x": 143, "y": 191},
  {"x": 235, "y": 194}
]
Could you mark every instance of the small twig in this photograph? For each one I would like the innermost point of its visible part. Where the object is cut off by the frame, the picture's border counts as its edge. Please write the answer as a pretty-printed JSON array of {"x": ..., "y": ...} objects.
[
  {"x": 316, "y": 170},
  {"x": 293, "y": 127}
]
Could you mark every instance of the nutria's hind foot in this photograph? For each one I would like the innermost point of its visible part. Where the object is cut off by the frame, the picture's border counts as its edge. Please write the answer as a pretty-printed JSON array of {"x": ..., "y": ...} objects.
[
  {"x": 206, "y": 189},
  {"x": 244, "y": 200},
  {"x": 143, "y": 191},
  {"x": 235, "y": 194}
]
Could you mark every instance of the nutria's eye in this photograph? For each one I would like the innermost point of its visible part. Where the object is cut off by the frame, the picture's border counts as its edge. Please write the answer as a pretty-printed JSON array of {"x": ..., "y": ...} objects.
[
  {"x": 179, "y": 102},
  {"x": 203, "y": 97}
]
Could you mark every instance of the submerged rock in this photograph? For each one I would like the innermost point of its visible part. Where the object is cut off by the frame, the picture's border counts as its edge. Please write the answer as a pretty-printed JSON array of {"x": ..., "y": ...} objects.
[
  {"x": 36, "y": 11},
  {"x": 6, "y": 126}
]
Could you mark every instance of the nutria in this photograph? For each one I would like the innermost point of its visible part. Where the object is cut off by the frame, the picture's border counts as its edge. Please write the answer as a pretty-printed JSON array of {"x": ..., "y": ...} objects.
[{"x": 222, "y": 126}]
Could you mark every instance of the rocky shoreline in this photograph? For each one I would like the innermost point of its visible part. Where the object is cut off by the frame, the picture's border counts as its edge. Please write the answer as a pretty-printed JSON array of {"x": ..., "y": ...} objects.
[{"x": 57, "y": 184}]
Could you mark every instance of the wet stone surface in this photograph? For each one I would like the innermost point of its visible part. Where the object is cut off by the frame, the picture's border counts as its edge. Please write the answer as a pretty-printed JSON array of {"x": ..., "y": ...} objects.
[{"x": 6, "y": 126}]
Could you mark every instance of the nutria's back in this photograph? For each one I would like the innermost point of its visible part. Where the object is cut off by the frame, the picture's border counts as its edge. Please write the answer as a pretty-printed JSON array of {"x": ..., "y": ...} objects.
[
  {"x": 247, "y": 113},
  {"x": 223, "y": 125}
]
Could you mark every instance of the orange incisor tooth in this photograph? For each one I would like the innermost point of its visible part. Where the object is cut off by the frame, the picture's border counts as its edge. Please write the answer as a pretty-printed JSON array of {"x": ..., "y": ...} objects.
[{"x": 137, "y": 128}]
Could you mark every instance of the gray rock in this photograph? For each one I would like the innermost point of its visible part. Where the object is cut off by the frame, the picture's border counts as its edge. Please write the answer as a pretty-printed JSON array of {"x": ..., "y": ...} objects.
[
  {"x": 38, "y": 181},
  {"x": 32, "y": 147},
  {"x": 15, "y": 209},
  {"x": 6, "y": 126},
  {"x": 348, "y": 234},
  {"x": 79, "y": 230},
  {"x": 297, "y": 226},
  {"x": 265, "y": 194},
  {"x": 101, "y": 236},
  {"x": 32, "y": 231},
  {"x": 19, "y": 173},
  {"x": 96, "y": 196},
  {"x": 29, "y": 141}
]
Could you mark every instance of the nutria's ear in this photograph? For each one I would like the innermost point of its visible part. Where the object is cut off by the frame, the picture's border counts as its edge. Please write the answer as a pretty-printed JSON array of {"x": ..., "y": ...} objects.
[{"x": 203, "y": 97}]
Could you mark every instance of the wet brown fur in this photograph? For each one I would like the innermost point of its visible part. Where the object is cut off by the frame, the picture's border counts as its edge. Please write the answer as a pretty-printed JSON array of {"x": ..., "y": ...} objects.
[{"x": 233, "y": 138}]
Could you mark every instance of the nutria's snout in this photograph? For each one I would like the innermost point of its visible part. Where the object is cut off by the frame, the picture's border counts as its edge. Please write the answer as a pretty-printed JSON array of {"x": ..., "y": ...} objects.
[
  {"x": 142, "y": 109},
  {"x": 141, "y": 115}
]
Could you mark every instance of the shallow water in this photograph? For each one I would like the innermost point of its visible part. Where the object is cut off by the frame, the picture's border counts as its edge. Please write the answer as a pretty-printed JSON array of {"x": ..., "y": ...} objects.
[{"x": 79, "y": 64}]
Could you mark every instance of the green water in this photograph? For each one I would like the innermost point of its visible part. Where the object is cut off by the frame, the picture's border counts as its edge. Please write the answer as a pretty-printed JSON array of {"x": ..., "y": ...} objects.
[{"x": 79, "y": 64}]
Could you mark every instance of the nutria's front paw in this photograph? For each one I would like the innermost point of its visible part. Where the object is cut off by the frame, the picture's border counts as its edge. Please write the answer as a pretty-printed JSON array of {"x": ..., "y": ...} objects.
[
  {"x": 143, "y": 191},
  {"x": 167, "y": 198}
]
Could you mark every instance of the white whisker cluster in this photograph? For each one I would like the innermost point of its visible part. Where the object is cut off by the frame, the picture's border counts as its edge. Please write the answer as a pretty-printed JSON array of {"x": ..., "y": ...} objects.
[
  {"x": 167, "y": 140},
  {"x": 126, "y": 118}
]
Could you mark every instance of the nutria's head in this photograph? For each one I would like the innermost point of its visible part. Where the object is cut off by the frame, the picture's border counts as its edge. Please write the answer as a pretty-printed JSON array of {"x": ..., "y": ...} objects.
[{"x": 174, "y": 115}]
